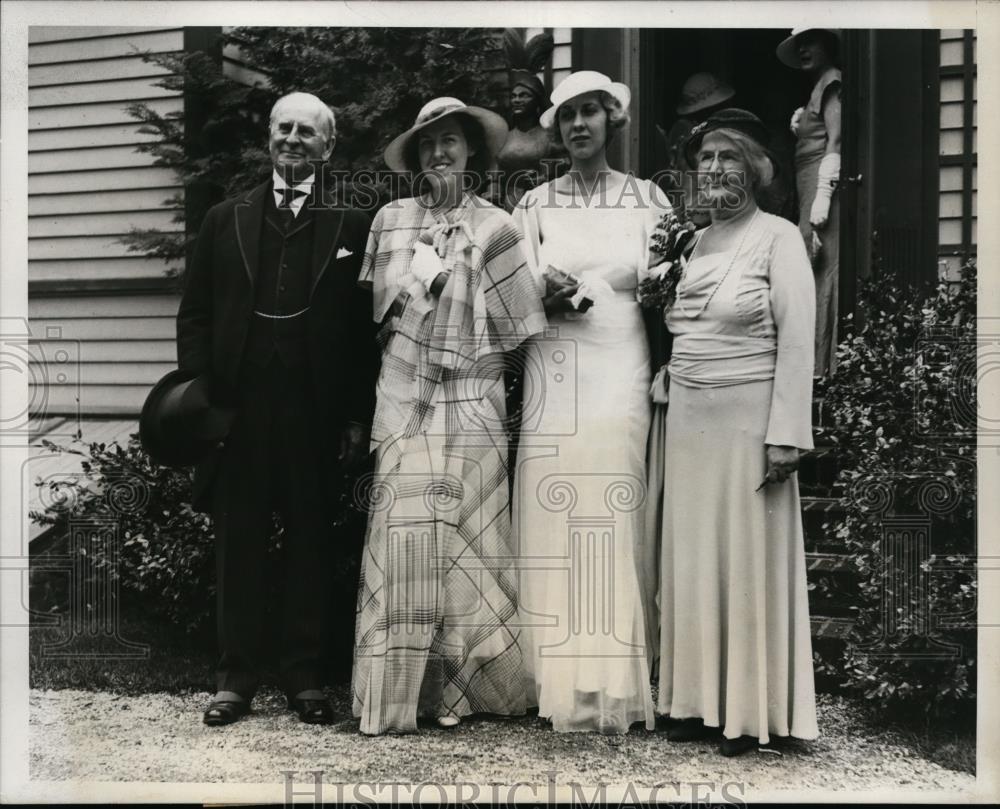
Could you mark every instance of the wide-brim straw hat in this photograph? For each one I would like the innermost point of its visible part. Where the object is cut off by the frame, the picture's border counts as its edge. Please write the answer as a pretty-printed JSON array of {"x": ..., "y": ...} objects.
[
  {"x": 584, "y": 81},
  {"x": 494, "y": 128},
  {"x": 701, "y": 91},
  {"x": 788, "y": 52}
]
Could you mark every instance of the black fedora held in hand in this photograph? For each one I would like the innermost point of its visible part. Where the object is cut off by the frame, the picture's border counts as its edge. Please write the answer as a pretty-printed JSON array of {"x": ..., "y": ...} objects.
[
  {"x": 730, "y": 118},
  {"x": 179, "y": 424}
]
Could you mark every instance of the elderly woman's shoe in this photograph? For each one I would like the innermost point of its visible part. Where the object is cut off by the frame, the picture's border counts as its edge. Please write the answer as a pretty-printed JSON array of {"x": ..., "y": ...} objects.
[
  {"x": 738, "y": 746},
  {"x": 448, "y": 721},
  {"x": 688, "y": 730}
]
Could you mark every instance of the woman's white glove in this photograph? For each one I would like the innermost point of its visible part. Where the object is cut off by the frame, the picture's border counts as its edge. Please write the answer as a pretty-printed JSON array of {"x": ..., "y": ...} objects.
[
  {"x": 426, "y": 264},
  {"x": 829, "y": 171},
  {"x": 796, "y": 117},
  {"x": 591, "y": 286}
]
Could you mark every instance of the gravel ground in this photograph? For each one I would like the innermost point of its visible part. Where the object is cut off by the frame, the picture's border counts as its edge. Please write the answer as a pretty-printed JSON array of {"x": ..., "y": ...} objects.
[{"x": 97, "y": 736}]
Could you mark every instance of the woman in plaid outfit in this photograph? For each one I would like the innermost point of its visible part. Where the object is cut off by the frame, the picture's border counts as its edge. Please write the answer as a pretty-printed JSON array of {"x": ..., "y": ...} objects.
[{"x": 437, "y": 633}]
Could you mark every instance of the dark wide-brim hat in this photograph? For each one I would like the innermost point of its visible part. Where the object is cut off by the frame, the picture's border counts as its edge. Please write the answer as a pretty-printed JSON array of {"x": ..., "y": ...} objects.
[
  {"x": 494, "y": 128},
  {"x": 179, "y": 424},
  {"x": 742, "y": 121}
]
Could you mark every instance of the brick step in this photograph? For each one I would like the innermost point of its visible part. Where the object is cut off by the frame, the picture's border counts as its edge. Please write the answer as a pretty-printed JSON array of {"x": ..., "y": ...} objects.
[
  {"x": 817, "y": 511},
  {"x": 829, "y": 628},
  {"x": 829, "y": 563},
  {"x": 819, "y": 468}
]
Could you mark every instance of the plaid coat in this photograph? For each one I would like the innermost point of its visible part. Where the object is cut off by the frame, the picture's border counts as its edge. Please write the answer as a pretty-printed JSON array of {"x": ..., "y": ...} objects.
[{"x": 437, "y": 621}]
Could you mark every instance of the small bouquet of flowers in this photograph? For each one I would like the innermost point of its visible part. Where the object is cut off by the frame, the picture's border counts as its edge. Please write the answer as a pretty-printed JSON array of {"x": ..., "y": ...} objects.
[{"x": 671, "y": 238}]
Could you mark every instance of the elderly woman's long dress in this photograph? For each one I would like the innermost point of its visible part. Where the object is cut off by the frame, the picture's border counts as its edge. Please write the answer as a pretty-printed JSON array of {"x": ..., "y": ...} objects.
[
  {"x": 735, "y": 641},
  {"x": 436, "y": 624},
  {"x": 810, "y": 146},
  {"x": 579, "y": 487}
]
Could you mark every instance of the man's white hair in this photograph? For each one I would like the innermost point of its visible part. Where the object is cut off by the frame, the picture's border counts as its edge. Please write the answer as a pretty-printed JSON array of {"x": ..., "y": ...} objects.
[{"x": 325, "y": 113}]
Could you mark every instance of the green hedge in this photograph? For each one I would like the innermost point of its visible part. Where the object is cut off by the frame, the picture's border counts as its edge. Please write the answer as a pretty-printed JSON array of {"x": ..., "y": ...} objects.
[{"x": 901, "y": 411}]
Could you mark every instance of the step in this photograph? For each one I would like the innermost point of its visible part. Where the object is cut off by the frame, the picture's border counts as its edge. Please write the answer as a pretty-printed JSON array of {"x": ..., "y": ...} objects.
[
  {"x": 830, "y": 628},
  {"x": 819, "y": 468},
  {"x": 817, "y": 511},
  {"x": 829, "y": 563}
]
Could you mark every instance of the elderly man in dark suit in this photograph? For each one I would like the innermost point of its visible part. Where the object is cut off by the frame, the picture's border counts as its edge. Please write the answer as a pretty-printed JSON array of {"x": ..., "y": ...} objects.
[{"x": 271, "y": 312}]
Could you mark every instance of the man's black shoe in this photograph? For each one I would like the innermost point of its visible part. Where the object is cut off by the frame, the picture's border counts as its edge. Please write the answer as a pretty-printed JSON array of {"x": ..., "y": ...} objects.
[
  {"x": 225, "y": 711},
  {"x": 312, "y": 711}
]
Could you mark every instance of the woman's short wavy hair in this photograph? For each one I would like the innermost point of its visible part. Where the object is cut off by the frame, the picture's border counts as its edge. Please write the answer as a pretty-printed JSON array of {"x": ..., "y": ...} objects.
[
  {"x": 753, "y": 154},
  {"x": 618, "y": 118}
]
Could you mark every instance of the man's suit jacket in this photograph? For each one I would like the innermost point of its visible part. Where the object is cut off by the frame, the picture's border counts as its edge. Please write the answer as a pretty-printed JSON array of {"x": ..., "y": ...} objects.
[{"x": 217, "y": 307}]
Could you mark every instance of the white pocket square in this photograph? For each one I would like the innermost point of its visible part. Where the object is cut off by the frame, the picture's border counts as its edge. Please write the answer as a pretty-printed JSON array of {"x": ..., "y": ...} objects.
[{"x": 343, "y": 252}]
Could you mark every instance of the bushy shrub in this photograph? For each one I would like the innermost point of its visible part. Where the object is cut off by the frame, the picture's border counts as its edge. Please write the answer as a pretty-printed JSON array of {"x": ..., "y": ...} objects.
[
  {"x": 166, "y": 555},
  {"x": 901, "y": 410}
]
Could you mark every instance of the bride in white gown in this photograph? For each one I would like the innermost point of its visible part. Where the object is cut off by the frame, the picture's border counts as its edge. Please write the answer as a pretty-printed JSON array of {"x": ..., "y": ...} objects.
[{"x": 580, "y": 478}]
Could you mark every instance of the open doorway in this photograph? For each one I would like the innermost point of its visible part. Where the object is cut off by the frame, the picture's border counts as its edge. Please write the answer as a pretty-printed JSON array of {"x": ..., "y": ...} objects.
[{"x": 745, "y": 60}]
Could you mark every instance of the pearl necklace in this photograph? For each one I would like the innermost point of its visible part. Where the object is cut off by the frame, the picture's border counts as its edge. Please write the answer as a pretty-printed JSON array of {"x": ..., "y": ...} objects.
[{"x": 732, "y": 260}]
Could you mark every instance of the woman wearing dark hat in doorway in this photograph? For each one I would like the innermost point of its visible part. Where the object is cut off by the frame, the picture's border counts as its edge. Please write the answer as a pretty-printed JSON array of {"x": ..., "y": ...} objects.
[
  {"x": 437, "y": 631},
  {"x": 701, "y": 95},
  {"x": 734, "y": 631},
  {"x": 817, "y": 168}
]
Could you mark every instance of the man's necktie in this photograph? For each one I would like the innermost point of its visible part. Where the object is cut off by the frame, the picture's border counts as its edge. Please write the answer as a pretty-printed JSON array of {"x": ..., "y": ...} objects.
[{"x": 289, "y": 195}]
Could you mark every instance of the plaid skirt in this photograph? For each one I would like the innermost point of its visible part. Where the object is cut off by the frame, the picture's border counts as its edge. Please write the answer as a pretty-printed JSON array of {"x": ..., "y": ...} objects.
[{"x": 437, "y": 631}]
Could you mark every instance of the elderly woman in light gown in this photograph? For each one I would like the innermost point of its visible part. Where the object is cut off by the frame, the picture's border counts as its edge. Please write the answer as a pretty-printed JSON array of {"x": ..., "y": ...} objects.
[{"x": 735, "y": 648}]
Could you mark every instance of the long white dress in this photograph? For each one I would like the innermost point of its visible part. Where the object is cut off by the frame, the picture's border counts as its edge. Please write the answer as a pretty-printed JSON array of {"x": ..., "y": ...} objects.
[{"x": 579, "y": 485}]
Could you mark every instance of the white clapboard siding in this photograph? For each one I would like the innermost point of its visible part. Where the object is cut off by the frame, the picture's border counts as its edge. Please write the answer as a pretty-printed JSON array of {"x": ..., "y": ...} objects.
[
  {"x": 97, "y": 114},
  {"x": 93, "y": 92},
  {"x": 139, "y": 199},
  {"x": 103, "y": 307},
  {"x": 136, "y": 372},
  {"x": 161, "y": 351},
  {"x": 107, "y": 270},
  {"x": 90, "y": 224},
  {"x": 88, "y": 187},
  {"x": 119, "y": 328},
  {"x": 117, "y": 68},
  {"x": 88, "y": 137},
  {"x": 118, "y": 346},
  {"x": 97, "y": 159},
  {"x": 96, "y": 400},
  {"x": 104, "y": 181},
  {"x": 92, "y": 247},
  {"x": 129, "y": 43}
]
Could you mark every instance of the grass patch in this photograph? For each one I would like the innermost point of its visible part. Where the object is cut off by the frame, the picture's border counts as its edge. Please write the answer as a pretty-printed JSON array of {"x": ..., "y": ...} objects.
[{"x": 172, "y": 663}]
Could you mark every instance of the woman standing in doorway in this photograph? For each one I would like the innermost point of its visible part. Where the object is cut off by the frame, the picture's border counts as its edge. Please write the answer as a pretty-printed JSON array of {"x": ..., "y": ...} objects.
[{"x": 817, "y": 169}]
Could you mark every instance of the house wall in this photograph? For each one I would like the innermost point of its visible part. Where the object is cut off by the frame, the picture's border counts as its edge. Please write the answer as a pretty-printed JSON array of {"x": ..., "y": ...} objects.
[
  {"x": 87, "y": 187},
  {"x": 957, "y": 149}
]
